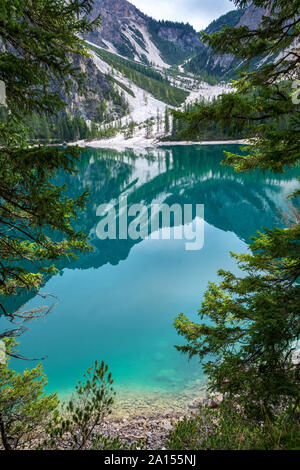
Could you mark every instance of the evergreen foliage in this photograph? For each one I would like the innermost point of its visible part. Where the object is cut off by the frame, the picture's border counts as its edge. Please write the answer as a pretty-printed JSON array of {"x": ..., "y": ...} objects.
[
  {"x": 32, "y": 419},
  {"x": 207, "y": 131},
  {"x": 64, "y": 128},
  {"x": 199, "y": 63},
  {"x": 226, "y": 428},
  {"x": 60, "y": 129},
  {"x": 36, "y": 216},
  {"x": 171, "y": 53},
  {"x": 230, "y": 19},
  {"x": 39, "y": 39},
  {"x": 125, "y": 48},
  {"x": 144, "y": 77},
  {"x": 74, "y": 426},
  {"x": 24, "y": 406},
  {"x": 250, "y": 323}
]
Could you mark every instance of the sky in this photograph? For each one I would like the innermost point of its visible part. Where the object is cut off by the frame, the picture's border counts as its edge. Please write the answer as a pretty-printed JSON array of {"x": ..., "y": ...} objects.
[{"x": 198, "y": 13}]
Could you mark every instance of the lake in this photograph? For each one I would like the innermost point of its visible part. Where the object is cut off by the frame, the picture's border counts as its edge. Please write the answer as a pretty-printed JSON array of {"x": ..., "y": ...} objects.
[{"x": 118, "y": 303}]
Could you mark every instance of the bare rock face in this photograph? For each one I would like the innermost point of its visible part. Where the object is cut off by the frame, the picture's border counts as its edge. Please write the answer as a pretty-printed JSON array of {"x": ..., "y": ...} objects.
[
  {"x": 182, "y": 35},
  {"x": 124, "y": 27},
  {"x": 116, "y": 15},
  {"x": 85, "y": 106},
  {"x": 224, "y": 65},
  {"x": 127, "y": 31},
  {"x": 252, "y": 17},
  {"x": 99, "y": 89}
]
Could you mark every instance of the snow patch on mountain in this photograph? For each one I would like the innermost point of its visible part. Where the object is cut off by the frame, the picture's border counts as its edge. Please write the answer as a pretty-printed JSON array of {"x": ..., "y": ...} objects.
[
  {"x": 153, "y": 52},
  {"x": 207, "y": 92},
  {"x": 143, "y": 105},
  {"x": 100, "y": 64},
  {"x": 110, "y": 47},
  {"x": 139, "y": 50}
]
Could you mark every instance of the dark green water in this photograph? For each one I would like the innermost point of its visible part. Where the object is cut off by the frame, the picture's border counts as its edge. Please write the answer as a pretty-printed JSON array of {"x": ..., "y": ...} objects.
[{"x": 118, "y": 303}]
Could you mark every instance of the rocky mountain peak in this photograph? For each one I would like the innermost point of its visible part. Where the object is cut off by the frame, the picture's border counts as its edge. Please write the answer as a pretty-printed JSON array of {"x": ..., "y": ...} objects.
[
  {"x": 129, "y": 32},
  {"x": 252, "y": 17}
]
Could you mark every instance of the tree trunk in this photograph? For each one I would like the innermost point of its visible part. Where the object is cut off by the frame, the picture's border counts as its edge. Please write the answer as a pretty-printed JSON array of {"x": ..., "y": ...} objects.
[{"x": 3, "y": 435}]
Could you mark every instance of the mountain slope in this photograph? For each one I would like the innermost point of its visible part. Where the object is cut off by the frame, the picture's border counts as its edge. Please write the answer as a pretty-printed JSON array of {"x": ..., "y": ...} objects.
[
  {"x": 126, "y": 31},
  {"x": 223, "y": 66},
  {"x": 130, "y": 70},
  {"x": 132, "y": 74},
  {"x": 129, "y": 32},
  {"x": 101, "y": 90},
  {"x": 145, "y": 77}
]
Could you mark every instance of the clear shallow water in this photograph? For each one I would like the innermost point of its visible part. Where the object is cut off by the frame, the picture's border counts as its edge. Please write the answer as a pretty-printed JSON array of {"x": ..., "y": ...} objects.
[{"x": 118, "y": 303}]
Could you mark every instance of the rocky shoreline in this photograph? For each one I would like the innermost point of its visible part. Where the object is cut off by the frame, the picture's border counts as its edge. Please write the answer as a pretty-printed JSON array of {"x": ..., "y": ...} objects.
[
  {"x": 130, "y": 402},
  {"x": 153, "y": 429},
  {"x": 151, "y": 426},
  {"x": 148, "y": 415}
]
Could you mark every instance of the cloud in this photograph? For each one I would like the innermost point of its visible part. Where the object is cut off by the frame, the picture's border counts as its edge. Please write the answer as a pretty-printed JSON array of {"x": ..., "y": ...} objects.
[{"x": 199, "y": 13}]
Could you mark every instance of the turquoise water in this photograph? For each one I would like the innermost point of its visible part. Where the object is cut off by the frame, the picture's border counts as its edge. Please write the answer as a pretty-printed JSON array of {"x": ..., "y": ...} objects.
[{"x": 118, "y": 303}]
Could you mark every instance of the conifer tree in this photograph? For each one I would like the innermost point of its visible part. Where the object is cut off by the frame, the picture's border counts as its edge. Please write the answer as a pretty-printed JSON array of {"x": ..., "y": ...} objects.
[
  {"x": 250, "y": 323},
  {"x": 167, "y": 121},
  {"x": 39, "y": 39}
]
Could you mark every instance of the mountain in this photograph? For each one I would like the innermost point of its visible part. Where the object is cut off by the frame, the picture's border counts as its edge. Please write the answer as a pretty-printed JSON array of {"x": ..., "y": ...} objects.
[
  {"x": 139, "y": 66},
  {"x": 137, "y": 60},
  {"x": 129, "y": 32},
  {"x": 101, "y": 89},
  {"x": 223, "y": 66},
  {"x": 126, "y": 31}
]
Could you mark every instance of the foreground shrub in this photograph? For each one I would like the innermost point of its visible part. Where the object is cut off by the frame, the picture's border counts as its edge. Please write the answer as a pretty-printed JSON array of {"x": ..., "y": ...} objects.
[
  {"x": 24, "y": 406},
  {"x": 31, "y": 419},
  {"x": 226, "y": 428},
  {"x": 75, "y": 425}
]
